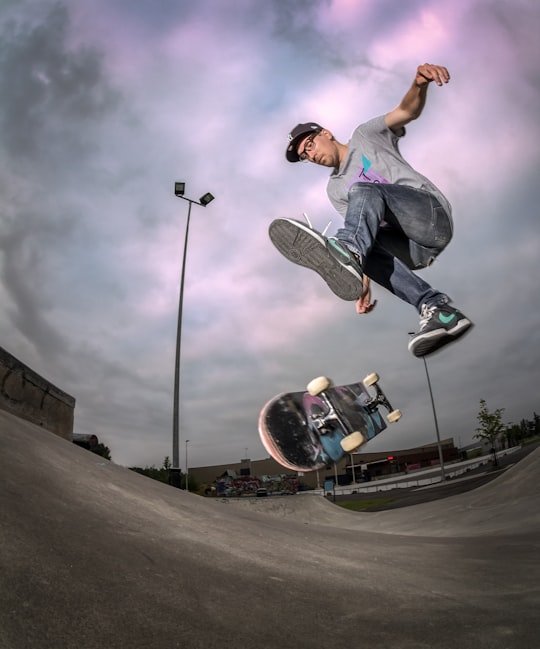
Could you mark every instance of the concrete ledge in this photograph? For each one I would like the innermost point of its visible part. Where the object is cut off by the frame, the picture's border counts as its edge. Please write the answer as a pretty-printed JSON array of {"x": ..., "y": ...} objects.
[{"x": 29, "y": 396}]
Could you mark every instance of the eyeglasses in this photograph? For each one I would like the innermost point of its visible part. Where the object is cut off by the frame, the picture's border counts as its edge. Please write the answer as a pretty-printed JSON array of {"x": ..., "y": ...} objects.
[{"x": 309, "y": 145}]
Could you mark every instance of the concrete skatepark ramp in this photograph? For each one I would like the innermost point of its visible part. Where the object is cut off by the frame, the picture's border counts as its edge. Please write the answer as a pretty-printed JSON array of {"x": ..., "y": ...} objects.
[{"x": 94, "y": 556}]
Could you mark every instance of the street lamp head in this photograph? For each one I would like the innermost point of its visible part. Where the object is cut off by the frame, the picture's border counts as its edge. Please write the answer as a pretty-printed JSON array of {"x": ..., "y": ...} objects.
[
  {"x": 179, "y": 189},
  {"x": 207, "y": 198}
]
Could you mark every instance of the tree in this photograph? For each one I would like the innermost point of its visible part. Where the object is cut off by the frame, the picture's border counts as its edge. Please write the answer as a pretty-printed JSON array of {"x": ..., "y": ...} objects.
[
  {"x": 101, "y": 449},
  {"x": 162, "y": 475},
  {"x": 491, "y": 426}
]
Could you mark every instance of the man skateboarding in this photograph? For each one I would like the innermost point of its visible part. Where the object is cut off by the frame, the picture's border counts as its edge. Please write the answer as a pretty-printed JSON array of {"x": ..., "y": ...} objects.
[{"x": 396, "y": 220}]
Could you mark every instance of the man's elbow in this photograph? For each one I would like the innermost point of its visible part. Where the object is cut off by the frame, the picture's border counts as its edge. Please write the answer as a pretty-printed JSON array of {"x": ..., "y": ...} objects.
[{"x": 409, "y": 114}]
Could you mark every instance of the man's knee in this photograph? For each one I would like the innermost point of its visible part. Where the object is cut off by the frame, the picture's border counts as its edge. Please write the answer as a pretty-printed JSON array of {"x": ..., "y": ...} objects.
[
  {"x": 423, "y": 256},
  {"x": 442, "y": 228}
]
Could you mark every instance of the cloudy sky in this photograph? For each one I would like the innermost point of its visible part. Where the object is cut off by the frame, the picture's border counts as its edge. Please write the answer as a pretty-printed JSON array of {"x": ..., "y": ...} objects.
[{"x": 104, "y": 104}]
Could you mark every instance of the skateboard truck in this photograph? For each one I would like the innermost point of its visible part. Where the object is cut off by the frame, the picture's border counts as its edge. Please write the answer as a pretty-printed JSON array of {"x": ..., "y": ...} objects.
[
  {"x": 372, "y": 380},
  {"x": 352, "y": 439}
]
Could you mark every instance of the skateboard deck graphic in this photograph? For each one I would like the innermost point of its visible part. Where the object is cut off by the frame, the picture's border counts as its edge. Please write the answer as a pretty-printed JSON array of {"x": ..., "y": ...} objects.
[{"x": 306, "y": 431}]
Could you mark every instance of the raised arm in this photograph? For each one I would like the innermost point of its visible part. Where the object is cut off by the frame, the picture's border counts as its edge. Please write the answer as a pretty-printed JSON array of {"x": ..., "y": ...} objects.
[{"x": 413, "y": 102}]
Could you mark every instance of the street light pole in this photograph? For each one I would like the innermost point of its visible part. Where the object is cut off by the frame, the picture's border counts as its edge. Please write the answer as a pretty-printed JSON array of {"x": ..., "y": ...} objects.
[
  {"x": 439, "y": 447},
  {"x": 179, "y": 189},
  {"x": 187, "y": 470},
  {"x": 441, "y": 459}
]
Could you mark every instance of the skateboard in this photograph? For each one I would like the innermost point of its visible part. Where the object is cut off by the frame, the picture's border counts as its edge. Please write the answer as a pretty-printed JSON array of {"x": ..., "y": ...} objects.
[{"x": 306, "y": 431}]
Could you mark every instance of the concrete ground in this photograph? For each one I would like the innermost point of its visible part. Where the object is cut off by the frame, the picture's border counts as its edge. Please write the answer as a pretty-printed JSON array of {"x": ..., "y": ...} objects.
[{"x": 94, "y": 556}]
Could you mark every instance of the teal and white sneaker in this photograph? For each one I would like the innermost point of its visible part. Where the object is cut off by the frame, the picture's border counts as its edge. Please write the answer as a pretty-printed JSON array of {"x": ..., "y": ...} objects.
[
  {"x": 439, "y": 325},
  {"x": 330, "y": 258}
]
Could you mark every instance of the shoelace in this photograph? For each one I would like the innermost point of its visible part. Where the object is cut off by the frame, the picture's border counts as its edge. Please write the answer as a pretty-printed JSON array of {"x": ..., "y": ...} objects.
[
  {"x": 311, "y": 226},
  {"x": 356, "y": 256},
  {"x": 426, "y": 314}
]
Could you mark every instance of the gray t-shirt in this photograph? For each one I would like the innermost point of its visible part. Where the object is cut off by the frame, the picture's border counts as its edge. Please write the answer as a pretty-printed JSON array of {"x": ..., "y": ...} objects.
[{"x": 374, "y": 157}]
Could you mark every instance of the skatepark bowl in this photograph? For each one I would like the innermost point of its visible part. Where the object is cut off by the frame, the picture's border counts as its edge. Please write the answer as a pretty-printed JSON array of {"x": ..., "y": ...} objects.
[{"x": 95, "y": 556}]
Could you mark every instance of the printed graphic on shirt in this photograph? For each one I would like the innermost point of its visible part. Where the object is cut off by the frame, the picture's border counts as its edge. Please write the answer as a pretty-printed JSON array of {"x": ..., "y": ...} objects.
[{"x": 367, "y": 175}]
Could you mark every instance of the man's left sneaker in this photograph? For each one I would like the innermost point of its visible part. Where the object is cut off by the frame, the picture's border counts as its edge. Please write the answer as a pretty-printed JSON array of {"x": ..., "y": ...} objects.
[
  {"x": 439, "y": 325},
  {"x": 330, "y": 258}
]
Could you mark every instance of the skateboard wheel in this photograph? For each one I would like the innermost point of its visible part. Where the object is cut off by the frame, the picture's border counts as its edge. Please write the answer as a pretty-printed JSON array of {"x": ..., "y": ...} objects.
[
  {"x": 352, "y": 441},
  {"x": 394, "y": 416},
  {"x": 371, "y": 379},
  {"x": 318, "y": 385}
]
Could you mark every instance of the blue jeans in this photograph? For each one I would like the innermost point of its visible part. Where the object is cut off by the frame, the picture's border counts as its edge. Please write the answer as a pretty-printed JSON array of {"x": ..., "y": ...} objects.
[{"x": 395, "y": 229}]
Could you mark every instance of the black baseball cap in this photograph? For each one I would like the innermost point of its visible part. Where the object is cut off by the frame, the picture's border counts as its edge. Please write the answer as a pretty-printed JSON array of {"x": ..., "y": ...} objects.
[{"x": 299, "y": 132}]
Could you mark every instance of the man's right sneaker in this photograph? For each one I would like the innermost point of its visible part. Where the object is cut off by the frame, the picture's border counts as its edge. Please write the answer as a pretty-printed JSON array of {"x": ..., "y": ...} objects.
[
  {"x": 330, "y": 258},
  {"x": 439, "y": 325}
]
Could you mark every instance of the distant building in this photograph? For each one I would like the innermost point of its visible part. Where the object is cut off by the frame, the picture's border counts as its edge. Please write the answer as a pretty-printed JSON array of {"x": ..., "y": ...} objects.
[{"x": 356, "y": 467}]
